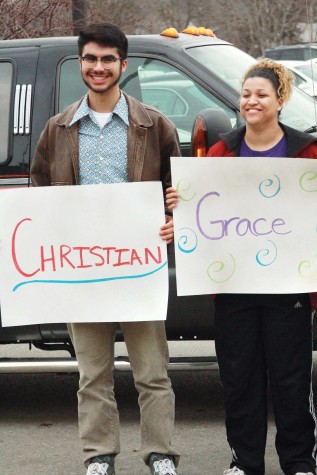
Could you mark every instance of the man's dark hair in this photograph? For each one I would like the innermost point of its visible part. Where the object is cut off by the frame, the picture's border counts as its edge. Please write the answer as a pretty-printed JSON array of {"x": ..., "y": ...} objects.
[{"x": 104, "y": 34}]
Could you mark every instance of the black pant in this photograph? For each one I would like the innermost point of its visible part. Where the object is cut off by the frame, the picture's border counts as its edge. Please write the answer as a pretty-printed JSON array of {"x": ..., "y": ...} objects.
[{"x": 260, "y": 337}]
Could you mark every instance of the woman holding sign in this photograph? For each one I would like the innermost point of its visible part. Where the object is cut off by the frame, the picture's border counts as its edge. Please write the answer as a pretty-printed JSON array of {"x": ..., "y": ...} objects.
[{"x": 262, "y": 337}]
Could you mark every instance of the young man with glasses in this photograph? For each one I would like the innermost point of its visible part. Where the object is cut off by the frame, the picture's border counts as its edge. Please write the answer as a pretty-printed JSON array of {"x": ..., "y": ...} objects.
[{"x": 109, "y": 137}]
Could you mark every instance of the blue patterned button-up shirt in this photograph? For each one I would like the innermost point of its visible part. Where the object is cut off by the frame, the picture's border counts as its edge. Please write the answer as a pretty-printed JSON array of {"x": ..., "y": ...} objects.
[{"x": 103, "y": 152}]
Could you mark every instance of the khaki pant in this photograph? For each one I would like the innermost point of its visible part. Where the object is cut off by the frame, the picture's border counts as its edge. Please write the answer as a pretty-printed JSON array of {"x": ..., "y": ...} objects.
[{"x": 97, "y": 408}]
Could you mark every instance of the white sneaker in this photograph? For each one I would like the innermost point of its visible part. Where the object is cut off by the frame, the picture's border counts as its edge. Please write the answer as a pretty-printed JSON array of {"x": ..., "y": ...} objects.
[
  {"x": 236, "y": 471},
  {"x": 161, "y": 465},
  {"x": 98, "y": 469},
  {"x": 304, "y": 473}
]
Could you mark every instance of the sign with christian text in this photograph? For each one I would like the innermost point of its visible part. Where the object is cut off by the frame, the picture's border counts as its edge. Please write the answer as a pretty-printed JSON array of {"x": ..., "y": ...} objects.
[{"x": 83, "y": 254}]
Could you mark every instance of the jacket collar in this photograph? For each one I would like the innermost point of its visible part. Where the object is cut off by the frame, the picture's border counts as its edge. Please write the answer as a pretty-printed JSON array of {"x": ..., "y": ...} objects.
[
  {"x": 233, "y": 139},
  {"x": 296, "y": 140},
  {"x": 121, "y": 110},
  {"x": 137, "y": 113}
]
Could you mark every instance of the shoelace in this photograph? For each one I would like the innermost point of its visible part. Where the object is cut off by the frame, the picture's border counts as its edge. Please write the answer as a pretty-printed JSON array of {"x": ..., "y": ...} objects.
[
  {"x": 164, "y": 467},
  {"x": 97, "y": 469}
]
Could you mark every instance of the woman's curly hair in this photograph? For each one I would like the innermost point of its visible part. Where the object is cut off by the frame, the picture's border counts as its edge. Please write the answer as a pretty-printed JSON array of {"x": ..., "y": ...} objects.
[{"x": 280, "y": 77}]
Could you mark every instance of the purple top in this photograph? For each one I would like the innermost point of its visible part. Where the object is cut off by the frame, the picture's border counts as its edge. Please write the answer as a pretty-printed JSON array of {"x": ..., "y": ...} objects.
[{"x": 279, "y": 150}]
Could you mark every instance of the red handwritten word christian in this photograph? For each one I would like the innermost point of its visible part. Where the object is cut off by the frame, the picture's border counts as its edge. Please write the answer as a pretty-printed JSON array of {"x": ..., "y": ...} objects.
[{"x": 56, "y": 257}]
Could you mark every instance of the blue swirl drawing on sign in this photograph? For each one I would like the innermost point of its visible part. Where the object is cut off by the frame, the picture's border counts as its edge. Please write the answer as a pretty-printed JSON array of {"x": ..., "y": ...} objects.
[
  {"x": 268, "y": 183},
  {"x": 266, "y": 252},
  {"x": 92, "y": 281},
  {"x": 183, "y": 240}
]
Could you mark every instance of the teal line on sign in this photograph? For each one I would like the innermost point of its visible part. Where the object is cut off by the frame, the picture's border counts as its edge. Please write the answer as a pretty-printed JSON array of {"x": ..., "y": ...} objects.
[{"x": 93, "y": 281}]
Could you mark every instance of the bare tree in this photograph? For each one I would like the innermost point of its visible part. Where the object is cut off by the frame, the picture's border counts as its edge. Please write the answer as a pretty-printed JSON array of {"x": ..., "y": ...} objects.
[
  {"x": 126, "y": 14},
  {"x": 254, "y": 25},
  {"x": 145, "y": 16},
  {"x": 33, "y": 18},
  {"x": 180, "y": 13},
  {"x": 79, "y": 14}
]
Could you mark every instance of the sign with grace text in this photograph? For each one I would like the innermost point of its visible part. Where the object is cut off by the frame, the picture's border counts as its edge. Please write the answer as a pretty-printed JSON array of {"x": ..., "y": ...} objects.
[
  {"x": 83, "y": 254},
  {"x": 245, "y": 225}
]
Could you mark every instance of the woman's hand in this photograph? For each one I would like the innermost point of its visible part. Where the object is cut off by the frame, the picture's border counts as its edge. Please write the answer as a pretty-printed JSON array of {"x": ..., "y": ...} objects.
[
  {"x": 167, "y": 230},
  {"x": 172, "y": 198}
]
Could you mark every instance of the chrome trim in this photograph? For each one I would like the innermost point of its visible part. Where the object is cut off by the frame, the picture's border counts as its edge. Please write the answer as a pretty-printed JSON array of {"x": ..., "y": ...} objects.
[
  {"x": 28, "y": 108},
  {"x": 69, "y": 365},
  {"x": 4, "y": 182},
  {"x": 16, "y": 109},
  {"x": 22, "y": 109}
]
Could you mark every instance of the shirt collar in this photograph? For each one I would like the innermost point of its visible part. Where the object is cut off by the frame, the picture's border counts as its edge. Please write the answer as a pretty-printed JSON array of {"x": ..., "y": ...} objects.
[{"x": 121, "y": 110}]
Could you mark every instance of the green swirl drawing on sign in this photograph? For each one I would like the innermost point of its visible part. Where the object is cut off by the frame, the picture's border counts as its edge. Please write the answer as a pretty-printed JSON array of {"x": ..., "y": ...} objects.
[
  {"x": 308, "y": 269},
  {"x": 184, "y": 186},
  {"x": 212, "y": 269},
  {"x": 308, "y": 178}
]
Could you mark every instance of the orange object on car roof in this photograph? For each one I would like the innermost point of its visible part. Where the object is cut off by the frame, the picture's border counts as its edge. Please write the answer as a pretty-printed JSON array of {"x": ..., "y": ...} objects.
[
  {"x": 190, "y": 30},
  {"x": 172, "y": 32},
  {"x": 206, "y": 31}
]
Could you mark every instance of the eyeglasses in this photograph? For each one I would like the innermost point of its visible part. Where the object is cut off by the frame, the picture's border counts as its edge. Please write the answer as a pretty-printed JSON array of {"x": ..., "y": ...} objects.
[{"x": 107, "y": 62}]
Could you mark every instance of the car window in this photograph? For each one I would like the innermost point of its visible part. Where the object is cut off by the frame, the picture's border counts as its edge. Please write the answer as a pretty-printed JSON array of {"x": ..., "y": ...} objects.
[
  {"x": 272, "y": 54},
  {"x": 172, "y": 92},
  {"x": 295, "y": 54},
  {"x": 153, "y": 82},
  {"x": 70, "y": 84},
  {"x": 166, "y": 100},
  {"x": 309, "y": 69},
  {"x": 227, "y": 61},
  {"x": 6, "y": 72},
  {"x": 310, "y": 53},
  {"x": 292, "y": 54},
  {"x": 299, "y": 81}
]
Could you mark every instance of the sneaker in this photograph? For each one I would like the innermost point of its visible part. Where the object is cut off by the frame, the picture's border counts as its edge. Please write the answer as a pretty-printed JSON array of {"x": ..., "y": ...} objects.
[
  {"x": 162, "y": 465},
  {"x": 234, "y": 471},
  {"x": 304, "y": 473},
  {"x": 103, "y": 465}
]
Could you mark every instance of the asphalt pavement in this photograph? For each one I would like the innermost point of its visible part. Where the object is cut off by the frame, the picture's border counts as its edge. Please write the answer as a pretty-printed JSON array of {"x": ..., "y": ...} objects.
[{"x": 38, "y": 423}]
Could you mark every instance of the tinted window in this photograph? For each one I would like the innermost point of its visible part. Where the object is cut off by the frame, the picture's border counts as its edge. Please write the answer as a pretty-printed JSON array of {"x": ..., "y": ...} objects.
[
  {"x": 228, "y": 62},
  {"x": 71, "y": 85},
  {"x": 169, "y": 90},
  {"x": 272, "y": 54},
  {"x": 295, "y": 54},
  {"x": 299, "y": 82},
  {"x": 310, "y": 70},
  {"x": 292, "y": 54},
  {"x": 6, "y": 72},
  {"x": 310, "y": 53}
]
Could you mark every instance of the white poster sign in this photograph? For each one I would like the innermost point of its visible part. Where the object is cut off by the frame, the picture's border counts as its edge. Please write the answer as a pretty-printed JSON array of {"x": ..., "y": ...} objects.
[
  {"x": 83, "y": 253},
  {"x": 245, "y": 225}
]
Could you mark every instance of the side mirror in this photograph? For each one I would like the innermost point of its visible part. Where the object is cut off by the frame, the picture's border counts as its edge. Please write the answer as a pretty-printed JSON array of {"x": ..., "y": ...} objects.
[{"x": 209, "y": 123}]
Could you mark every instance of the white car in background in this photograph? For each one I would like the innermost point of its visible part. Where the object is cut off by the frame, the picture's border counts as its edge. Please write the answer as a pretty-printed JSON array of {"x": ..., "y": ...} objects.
[{"x": 305, "y": 73}]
